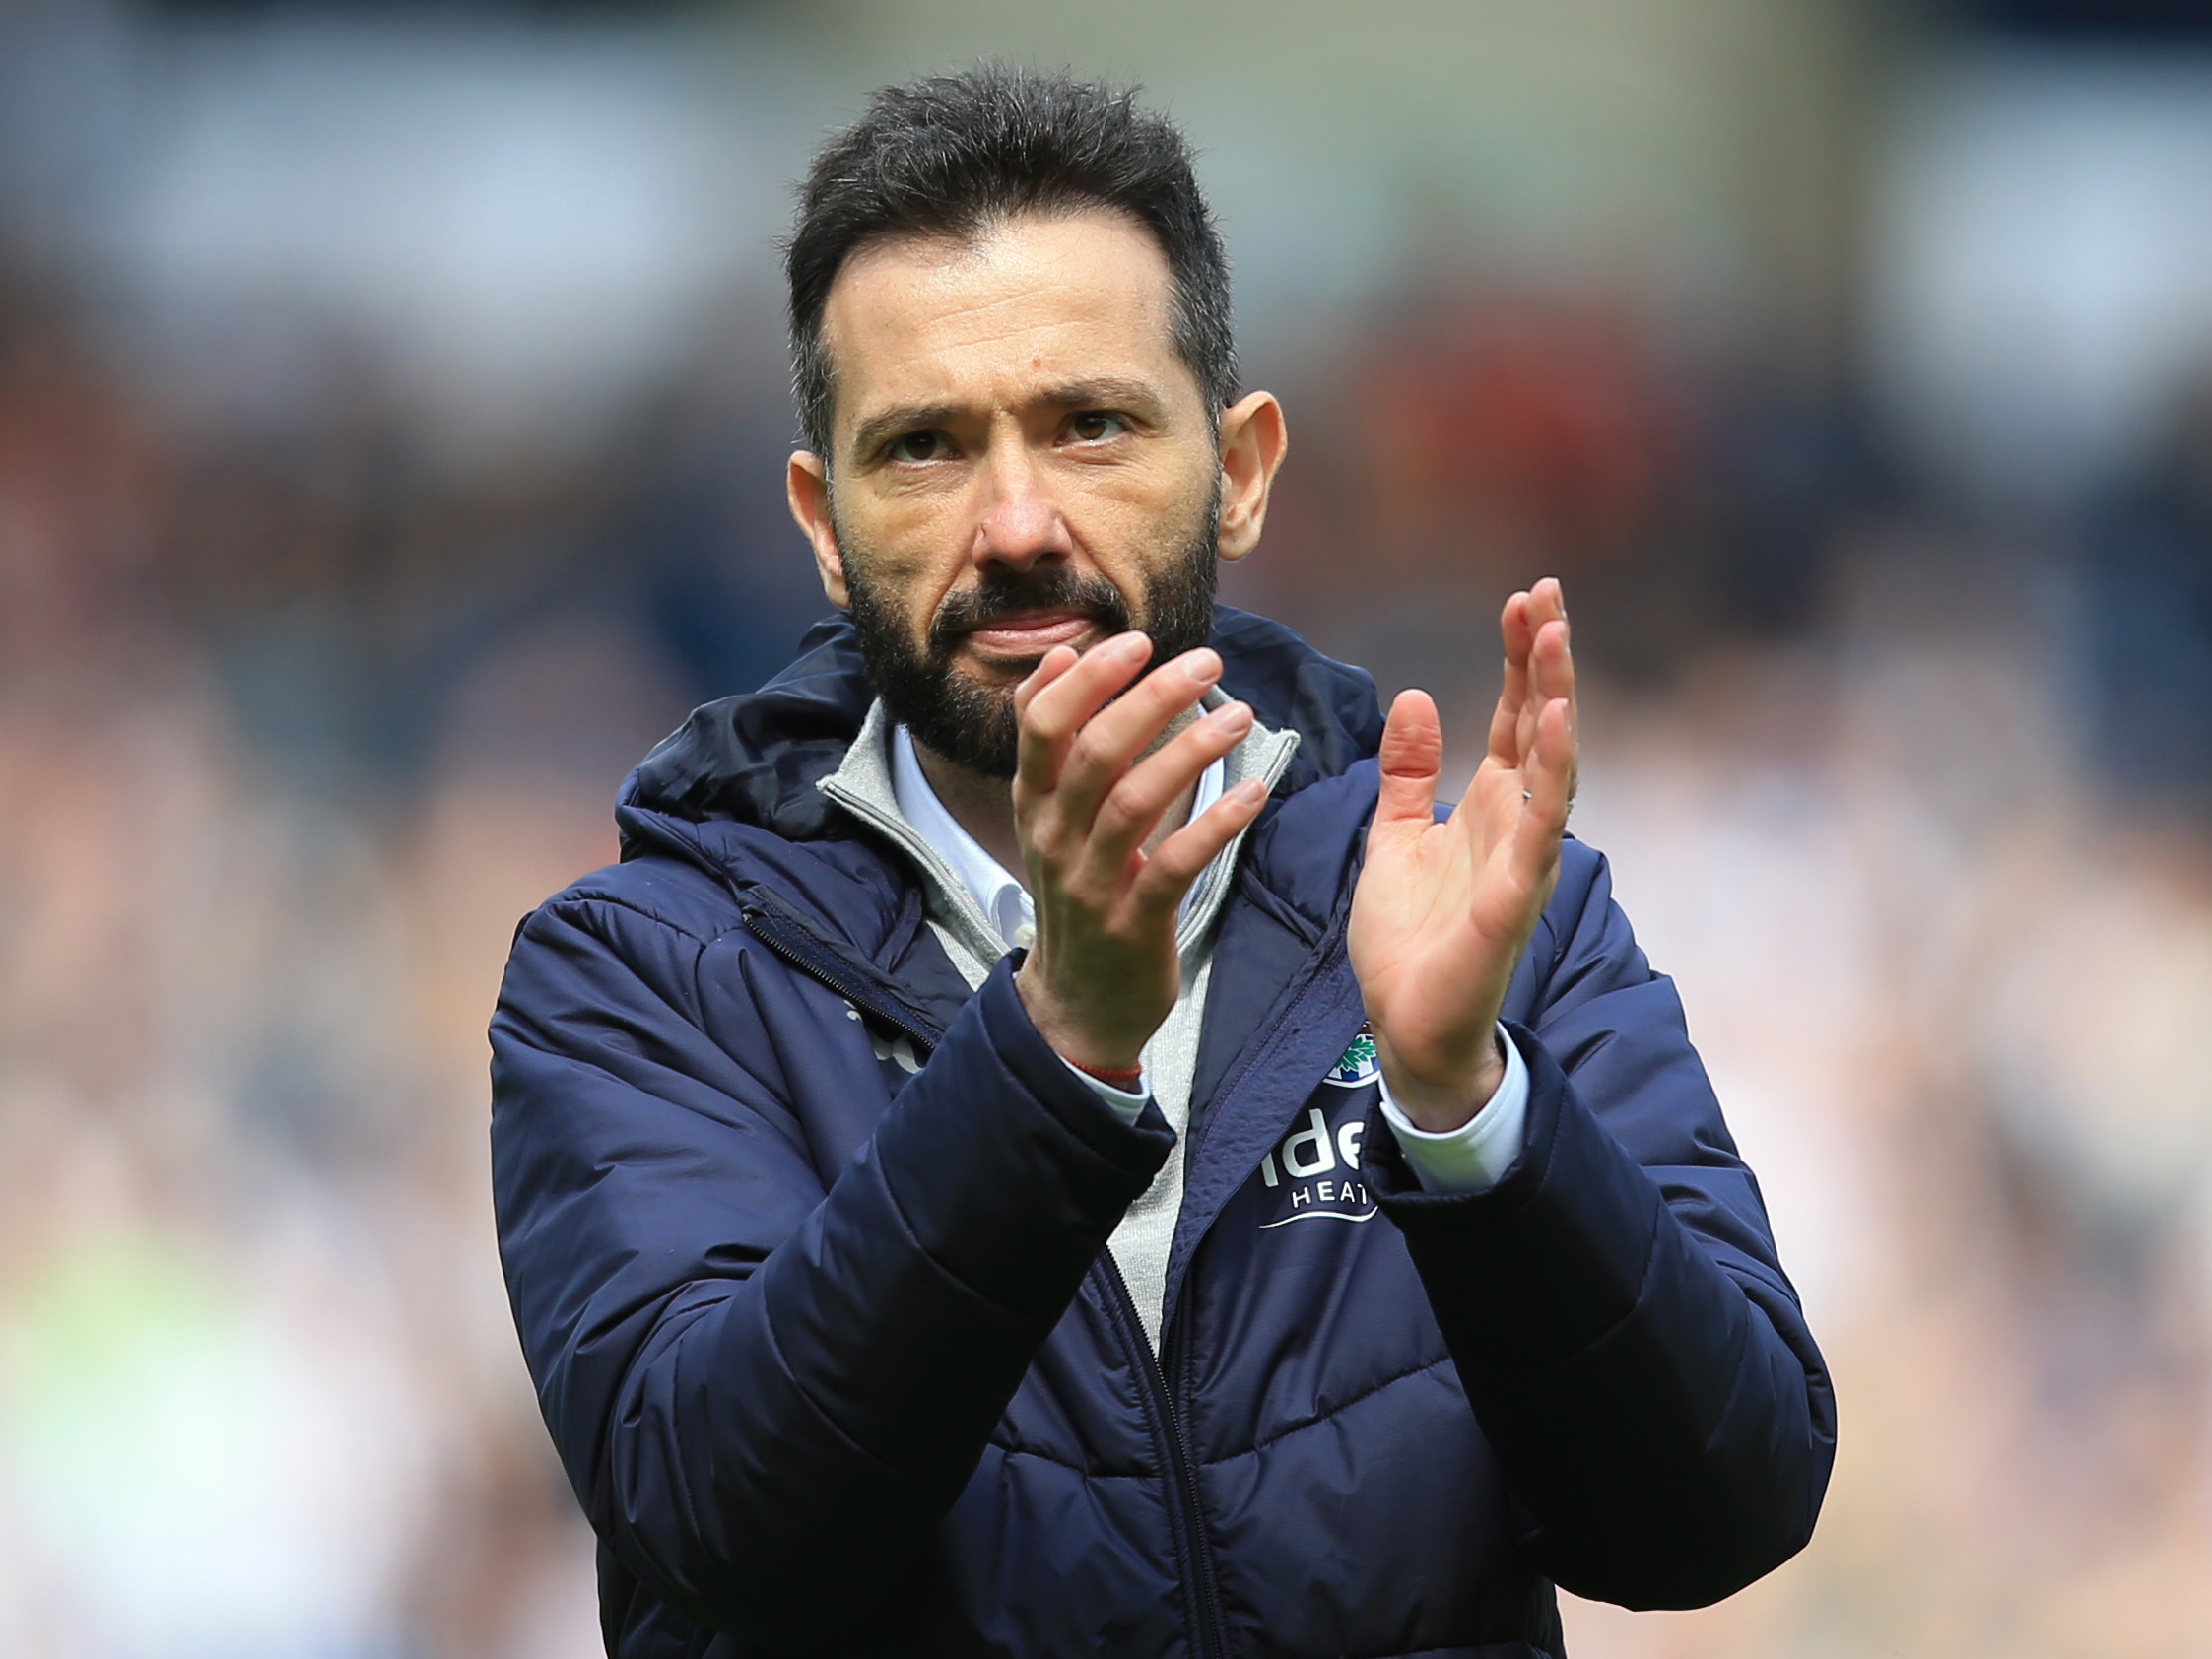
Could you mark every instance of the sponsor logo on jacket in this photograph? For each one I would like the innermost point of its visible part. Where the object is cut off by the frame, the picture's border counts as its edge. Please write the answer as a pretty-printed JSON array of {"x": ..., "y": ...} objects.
[{"x": 1312, "y": 1174}]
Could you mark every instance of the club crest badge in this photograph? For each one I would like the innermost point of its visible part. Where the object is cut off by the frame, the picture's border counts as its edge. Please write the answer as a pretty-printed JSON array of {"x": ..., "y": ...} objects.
[{"x": 1357, "y": 1066}]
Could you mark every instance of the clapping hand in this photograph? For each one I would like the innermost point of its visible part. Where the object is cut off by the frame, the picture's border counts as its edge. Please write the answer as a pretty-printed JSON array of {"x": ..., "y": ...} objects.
[
  {"x": 1443, "y": 912},
  {"x": 1094, "y": 782}
]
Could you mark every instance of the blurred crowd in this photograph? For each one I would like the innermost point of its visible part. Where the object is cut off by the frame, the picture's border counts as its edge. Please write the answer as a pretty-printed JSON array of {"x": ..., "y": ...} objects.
[{"x": 1905, "y": 775}]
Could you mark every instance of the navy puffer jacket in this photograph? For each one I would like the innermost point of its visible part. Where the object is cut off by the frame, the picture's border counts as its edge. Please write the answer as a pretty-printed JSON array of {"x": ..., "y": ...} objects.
[{"x": 806, "y": 1245}]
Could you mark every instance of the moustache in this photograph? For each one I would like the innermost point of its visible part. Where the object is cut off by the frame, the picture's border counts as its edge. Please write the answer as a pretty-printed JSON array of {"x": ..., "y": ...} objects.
[{"x": 993, "y": 601}]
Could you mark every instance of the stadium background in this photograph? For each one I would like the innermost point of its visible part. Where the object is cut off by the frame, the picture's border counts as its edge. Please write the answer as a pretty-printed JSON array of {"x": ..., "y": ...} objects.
[{"x": 391, "y": 421}]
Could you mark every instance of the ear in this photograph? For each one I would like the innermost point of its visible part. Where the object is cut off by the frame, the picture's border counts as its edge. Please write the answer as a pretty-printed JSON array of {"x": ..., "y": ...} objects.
[
  {"x": 1253, "y": 442},
  {"x": 806, "y": 485}
]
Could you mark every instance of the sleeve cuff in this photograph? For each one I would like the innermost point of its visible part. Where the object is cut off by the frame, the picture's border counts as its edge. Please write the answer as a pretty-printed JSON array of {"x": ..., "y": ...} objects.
[
  {"x": 1127, "y": 1106},
  {"x": 1475, "y": 1155}
]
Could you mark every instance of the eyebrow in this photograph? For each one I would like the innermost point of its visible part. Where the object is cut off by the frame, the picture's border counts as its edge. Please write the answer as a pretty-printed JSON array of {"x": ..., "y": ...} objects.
[{"x": 1102, "y": 392}]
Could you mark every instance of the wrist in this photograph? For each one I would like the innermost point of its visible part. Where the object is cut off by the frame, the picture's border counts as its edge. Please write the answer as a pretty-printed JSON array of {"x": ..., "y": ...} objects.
[
  {"x": 1440, "y": 1104},
  {"x": 1125, "y": 1077},
  {"x": 1104, "y": 1059}
]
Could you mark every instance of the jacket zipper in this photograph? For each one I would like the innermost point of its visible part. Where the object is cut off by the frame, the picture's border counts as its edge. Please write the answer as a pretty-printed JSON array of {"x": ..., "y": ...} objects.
[
  {"x": 1184, "y": 1509},
  {"x": 792, "y": 944}
]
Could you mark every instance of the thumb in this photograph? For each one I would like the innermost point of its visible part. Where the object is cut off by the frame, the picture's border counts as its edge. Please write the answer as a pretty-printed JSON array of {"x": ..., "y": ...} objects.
[{"x": 1412, "y": 757}]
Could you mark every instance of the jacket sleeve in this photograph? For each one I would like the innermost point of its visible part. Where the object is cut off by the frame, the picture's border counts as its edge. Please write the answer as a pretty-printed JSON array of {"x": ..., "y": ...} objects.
[
  {"x": 1614, "y": 1305},
  {"x": 767, "y": 1382}
]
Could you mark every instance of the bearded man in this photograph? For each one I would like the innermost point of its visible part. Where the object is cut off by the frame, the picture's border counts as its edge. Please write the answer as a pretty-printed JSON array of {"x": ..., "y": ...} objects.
[{"x": 1049, "y": 1143}]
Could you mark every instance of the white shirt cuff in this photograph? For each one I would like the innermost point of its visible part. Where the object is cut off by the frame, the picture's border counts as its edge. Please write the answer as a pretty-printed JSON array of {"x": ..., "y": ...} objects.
[
  {"x": 1475, "y": 1155},
  {"x": 1126, "y": 1106}
]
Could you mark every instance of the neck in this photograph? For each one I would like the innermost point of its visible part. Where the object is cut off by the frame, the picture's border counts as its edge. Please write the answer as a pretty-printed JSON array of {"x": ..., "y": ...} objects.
[{"x": 984, "y": 805}]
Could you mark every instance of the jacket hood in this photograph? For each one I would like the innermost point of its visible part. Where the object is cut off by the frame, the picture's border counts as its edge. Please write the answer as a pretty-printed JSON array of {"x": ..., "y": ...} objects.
[{"x": 756, "y": 758}]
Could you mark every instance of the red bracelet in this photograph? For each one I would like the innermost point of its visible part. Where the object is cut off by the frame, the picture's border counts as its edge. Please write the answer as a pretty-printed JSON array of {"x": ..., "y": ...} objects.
[{"x": 1123, "y": 1078}]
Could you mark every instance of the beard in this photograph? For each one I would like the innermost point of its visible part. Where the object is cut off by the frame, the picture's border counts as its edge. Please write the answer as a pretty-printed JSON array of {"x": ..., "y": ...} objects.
[{"x": 971, "y": 723}]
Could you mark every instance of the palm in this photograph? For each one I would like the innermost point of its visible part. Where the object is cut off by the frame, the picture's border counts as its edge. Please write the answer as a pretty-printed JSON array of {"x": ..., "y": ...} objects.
[
  {"x": 1442, "y": 912},
  {"x": 1439, "y": 913}
]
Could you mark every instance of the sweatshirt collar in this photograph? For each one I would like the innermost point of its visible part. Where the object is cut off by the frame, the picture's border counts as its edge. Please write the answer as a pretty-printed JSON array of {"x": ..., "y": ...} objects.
[
  {"x": 997, "y": 890},
  {"x": 971, "y": 892}
]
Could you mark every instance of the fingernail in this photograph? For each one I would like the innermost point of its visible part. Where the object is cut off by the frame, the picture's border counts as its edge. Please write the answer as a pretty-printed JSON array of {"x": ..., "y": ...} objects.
[
  {"x": 1232, "y": 716},
  {"x": 1203, "y": 666},
  {"x": 1135, "y": 644}
]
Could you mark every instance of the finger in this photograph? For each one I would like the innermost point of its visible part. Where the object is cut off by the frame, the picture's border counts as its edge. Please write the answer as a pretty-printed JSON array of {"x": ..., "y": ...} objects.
[
  {"x": 1056, "y": 662},
  {"x": 1060, "y": 709},
  {"x": 1133, "y": 807},
  {"x": 1110, "y": 741},
  {"x": 1549, "y": 779},
  {"x": 1551, "y": 665},
  {"x": 1547, "y": 602},
  {"x": 1411, "y": 758},
  {"x": 1541, "y": 611},
  {"x": 1171, "y": 866},
  {"x": 1552, "y": 676},
  {"x": 1058, "y": 712},
  {"x": 1513, "y": 691}
]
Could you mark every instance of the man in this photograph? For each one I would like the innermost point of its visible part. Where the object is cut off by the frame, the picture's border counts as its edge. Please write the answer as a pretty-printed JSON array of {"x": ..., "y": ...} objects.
[{"x": 1048, "y": 1144}]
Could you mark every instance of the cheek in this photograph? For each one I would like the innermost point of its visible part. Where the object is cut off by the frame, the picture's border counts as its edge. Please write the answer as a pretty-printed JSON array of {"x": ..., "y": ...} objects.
[
  {"x": 926, "y": 555},
  {"x": 1151, "y": 491},
  {"x": 906, "y": 558},
  {"x": 1134, "y": 527}
]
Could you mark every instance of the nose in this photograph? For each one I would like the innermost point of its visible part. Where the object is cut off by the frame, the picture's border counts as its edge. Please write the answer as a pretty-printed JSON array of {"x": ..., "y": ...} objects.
[{"x": 1020, "y": 524}]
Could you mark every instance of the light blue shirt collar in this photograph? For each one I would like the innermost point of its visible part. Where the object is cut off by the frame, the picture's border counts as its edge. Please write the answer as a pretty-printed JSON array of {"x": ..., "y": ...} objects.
[{"x": 997, "y": 892}]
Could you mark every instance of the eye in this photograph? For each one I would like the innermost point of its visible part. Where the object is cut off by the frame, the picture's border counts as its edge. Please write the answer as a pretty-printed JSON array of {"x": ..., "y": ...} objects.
[
  {"x": 919, "y": 447},
  {"x": 1096, "y": 426}
]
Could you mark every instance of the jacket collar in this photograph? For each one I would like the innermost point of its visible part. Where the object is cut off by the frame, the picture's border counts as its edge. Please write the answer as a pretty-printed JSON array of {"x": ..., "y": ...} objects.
[
  {"x": 758, "y": 759},
  {"x": 881, "y": 788}
]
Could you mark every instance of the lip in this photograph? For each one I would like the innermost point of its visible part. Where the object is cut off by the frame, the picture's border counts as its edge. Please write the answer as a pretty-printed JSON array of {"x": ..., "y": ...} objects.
[{"x": 1030, "y": 636}]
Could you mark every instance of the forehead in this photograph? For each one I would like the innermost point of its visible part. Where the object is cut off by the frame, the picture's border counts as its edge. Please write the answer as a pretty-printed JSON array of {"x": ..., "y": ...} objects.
[{"x": 1033, "y": 302}]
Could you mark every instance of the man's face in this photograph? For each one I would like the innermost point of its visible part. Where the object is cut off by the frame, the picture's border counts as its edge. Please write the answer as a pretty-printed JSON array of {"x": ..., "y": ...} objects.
[{"x": 1019, "y": 460}]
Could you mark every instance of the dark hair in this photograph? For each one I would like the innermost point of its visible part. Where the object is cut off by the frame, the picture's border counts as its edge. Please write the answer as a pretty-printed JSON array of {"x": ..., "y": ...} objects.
[{"x": 953, "y": 154}]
